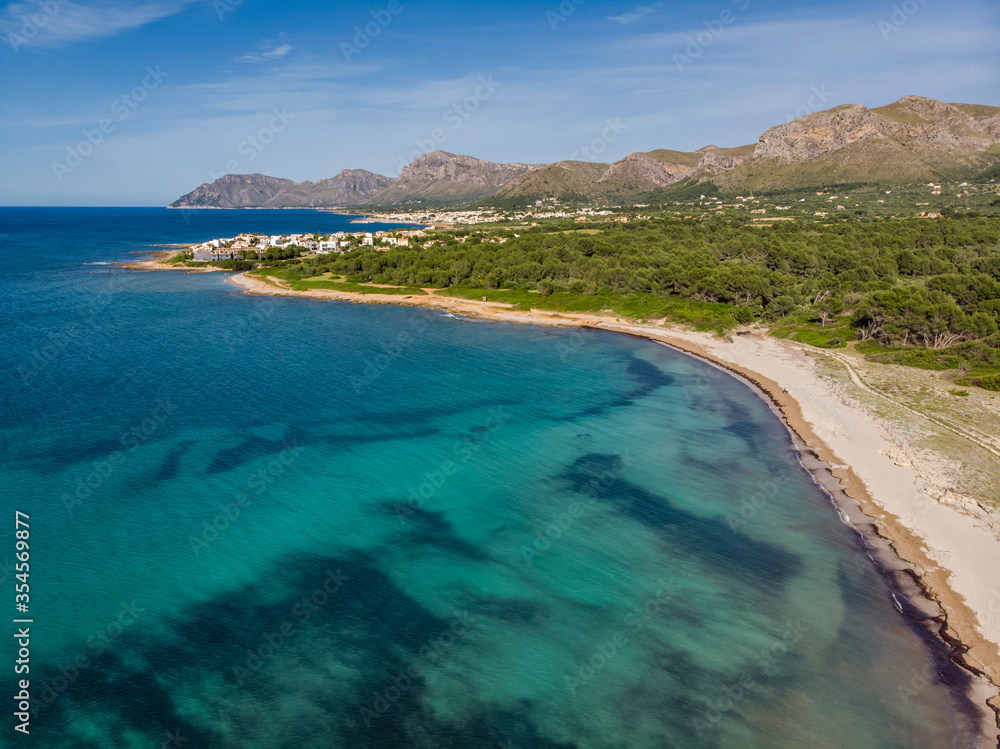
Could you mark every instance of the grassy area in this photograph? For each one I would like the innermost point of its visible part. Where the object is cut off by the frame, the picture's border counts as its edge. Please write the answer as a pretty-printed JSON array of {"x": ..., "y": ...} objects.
[
  {"x": 974, "y": 363},
  {"x": 836, "y": 335},
  {"x": 864, "y": 202},
  {"x": 639, "y": 306},
  {"x": 957, "y": 463},
  {"x": 333, "y": 283}
]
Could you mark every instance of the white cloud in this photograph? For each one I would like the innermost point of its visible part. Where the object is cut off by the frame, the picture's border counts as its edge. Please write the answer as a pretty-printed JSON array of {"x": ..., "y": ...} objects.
[
  {"x": 49, "y": 24},
  {"x": 639, "y": 13},
  {"x": 281, "y": 51},
  {"x": 374, "y": 113},
  {"x": 270, "y": 54}
]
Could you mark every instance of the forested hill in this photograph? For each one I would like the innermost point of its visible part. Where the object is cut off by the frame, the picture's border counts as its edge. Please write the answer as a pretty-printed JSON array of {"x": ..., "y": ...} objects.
[{"x": 927, "y": 284}]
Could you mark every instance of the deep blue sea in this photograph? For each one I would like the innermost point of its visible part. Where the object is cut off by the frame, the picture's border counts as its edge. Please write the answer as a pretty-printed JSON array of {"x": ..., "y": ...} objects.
[{"x": 267, "y": 522}]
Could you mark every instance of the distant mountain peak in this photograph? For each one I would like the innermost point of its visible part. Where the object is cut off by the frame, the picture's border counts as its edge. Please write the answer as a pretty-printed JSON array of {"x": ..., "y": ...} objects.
[
  {"x": 436, "y": 156},
  {"x": 913, "y": 121},
  {"x": 350, "y": 187},
  {"x": 915, "y": 138},
  {"x": 441, "y": 177}
]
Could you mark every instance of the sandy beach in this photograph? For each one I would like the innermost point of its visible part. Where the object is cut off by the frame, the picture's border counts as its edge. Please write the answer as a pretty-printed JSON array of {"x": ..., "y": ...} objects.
[{"x": 906, "y": 499}]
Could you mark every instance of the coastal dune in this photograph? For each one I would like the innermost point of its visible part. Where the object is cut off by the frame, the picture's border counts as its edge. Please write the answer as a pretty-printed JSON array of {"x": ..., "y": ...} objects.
[{"x": 948, "y": 552}]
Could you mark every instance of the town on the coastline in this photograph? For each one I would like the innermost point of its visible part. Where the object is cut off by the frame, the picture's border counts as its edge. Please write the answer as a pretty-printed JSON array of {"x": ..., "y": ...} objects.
[
  {"x": 261, "y": 246},
  {"x": 821, "y": 206},
  {"x": 546, "y": 208}
]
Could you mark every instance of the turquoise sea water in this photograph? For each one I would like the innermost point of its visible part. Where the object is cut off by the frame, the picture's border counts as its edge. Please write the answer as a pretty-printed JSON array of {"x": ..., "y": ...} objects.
[{"x": 265, "y": 522}]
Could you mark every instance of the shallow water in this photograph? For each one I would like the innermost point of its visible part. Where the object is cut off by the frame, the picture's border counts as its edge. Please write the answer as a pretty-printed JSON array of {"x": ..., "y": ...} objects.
[{"x": 266, "y": 522}]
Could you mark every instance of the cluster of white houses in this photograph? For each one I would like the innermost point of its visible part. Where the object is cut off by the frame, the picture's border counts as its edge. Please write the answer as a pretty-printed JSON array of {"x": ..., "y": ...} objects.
[
  {"x": 546, "y": 208},
  {"x": 245, "y": 246}
]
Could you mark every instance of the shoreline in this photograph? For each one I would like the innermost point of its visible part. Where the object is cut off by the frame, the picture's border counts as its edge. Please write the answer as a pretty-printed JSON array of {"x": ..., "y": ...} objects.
[
  {"x": 158, "y": 262},
  {"x": 918, "y": 603},
  {"x": 839, "y": 442}
]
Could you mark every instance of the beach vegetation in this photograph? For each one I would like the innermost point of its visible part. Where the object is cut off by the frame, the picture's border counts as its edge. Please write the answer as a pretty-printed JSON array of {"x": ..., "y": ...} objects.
[
  {"x": 296, "y": 278},
  {"x": 915, "y": 291}
]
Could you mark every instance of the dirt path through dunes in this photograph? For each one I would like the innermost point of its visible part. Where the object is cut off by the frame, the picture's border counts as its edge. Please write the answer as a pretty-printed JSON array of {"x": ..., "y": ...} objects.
[{"x": 978, "y": 439}]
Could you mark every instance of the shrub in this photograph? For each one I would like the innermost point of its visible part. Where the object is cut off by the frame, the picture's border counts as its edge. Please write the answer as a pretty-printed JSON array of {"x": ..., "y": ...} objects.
[{"x": 990, "y": 382}]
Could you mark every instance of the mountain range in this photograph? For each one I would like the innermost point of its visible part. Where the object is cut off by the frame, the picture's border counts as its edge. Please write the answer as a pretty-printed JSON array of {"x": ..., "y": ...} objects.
[{"x": 913, "y": 139}]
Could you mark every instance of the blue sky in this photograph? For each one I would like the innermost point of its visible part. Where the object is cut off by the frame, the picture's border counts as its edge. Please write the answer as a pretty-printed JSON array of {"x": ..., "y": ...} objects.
[{"x": 108, "y": 102}]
